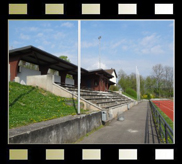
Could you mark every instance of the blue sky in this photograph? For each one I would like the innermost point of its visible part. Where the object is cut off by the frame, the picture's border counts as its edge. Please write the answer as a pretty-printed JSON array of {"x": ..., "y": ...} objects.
[{"x": 124, "y": 44}]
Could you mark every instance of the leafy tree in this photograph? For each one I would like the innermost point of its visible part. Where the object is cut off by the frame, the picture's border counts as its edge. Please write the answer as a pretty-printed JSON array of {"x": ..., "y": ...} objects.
[
  {"x": 158, "y": 74},
  {"x": 64, "y": 58}
]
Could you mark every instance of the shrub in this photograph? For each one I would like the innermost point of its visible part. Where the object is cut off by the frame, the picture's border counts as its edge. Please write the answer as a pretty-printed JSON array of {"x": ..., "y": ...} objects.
[
  {"x": 144, "y": 97},
  {"x": 113, "y": 88},
  {"x": 131, "y": 92}
]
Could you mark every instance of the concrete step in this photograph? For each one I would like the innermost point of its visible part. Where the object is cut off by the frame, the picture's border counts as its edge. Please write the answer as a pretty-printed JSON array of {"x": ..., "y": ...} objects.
[
  {"x": 100, "y": 100},
  {"x": 109, "y": 106},
  {"x": 82, "y": 90},
  {"x": 103, "y": 105},
  {"x": 88, "y": 97}
]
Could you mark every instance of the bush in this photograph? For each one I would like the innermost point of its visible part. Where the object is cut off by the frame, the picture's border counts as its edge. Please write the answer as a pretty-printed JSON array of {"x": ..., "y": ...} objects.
[
  {"x": 113, "y": 88},
  {"x": 131, "y": 92},
  {"x": 148, "y": 96},
  {"x": 144, "y": 97}
]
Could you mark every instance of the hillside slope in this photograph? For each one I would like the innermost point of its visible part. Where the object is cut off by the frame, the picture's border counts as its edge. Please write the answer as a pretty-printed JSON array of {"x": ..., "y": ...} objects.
[{"x": 28, "y": 104}]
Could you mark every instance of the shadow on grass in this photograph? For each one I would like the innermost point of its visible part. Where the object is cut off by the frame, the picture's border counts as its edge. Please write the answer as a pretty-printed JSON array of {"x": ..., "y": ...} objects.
[
  {"x": 74, "y": 104},
  {"x": 20, "y": 96}
]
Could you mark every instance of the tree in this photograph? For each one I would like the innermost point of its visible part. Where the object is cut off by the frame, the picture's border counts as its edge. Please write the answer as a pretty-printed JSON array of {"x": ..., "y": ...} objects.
[
  {"x": 168, "y": 79},
  {"x": 64, "y": 58},
  {"x": 158, "y": 74},
  {"x": 122, "y": 80}
]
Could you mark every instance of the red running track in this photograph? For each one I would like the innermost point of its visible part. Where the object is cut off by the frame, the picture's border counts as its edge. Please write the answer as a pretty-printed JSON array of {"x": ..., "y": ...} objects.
[{"x": 166, "y": 106}]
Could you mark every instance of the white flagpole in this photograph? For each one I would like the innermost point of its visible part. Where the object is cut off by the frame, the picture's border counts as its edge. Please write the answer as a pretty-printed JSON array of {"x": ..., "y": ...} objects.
[{"x": 79, "y": 62}]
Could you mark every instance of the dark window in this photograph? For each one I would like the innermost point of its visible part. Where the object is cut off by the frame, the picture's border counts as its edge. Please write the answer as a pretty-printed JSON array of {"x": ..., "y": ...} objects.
[{"x": 96, "y": 83}]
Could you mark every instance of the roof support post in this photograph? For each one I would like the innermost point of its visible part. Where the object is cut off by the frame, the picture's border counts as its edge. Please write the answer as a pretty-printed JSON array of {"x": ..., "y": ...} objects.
[
  {"x": 63, "y": 76},
  {"x": 13, "y": 61},
  {"x": 43, "y": 69}
]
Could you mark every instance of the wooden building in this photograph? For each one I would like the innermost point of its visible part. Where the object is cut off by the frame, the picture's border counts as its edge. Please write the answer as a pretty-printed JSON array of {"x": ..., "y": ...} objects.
[{"x": 98, "y": 79}]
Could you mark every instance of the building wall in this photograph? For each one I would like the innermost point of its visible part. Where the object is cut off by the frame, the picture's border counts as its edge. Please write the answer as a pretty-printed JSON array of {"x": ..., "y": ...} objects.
[
  {"x": 26, "y": 72},
  {"x": 29, "y": 72},
  {"x": 57, "y": 78},
  {"x": 114, "y": 78},
  {"x": 69, "y": 81}
]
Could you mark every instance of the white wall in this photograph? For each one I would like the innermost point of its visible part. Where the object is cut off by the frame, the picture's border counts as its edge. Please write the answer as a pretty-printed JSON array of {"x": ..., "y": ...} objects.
[
  {"x": 114, "y": 78},
  {"x": 57, "y": 78},
  {"x": 22, "y": 76},
  {"x": 69, "y": 81},
  {"x": 26, "y": 72}
]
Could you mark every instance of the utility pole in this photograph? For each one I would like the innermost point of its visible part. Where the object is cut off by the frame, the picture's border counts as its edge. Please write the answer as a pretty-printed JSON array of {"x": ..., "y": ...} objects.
[{"x": 99, "y": 52}]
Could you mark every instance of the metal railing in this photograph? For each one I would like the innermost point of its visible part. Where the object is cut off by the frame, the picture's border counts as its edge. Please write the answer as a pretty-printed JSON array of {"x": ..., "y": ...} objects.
[{"x": 164, "y": 130}]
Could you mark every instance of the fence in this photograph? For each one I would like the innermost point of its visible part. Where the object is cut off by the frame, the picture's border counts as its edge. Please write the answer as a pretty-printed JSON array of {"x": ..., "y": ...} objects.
[{"x": 164, "y": 130}]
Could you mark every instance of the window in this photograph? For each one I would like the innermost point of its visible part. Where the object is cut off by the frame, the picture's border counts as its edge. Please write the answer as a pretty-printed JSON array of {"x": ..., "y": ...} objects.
[{"x": 96, "y": 83}]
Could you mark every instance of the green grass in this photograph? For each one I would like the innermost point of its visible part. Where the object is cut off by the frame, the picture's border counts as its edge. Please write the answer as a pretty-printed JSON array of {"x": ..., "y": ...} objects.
[
  {"x": 28, "y": 104},
  {"x": 124, "y": 93}
]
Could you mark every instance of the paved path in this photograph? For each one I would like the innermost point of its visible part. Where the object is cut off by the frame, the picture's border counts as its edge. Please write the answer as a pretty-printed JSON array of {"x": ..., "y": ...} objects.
[{"x": 130, "y": 130}]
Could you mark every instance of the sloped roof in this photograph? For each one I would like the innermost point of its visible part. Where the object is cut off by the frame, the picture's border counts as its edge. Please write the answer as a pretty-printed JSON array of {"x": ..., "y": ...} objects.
[
  {"x": 102, "y": 71},
  {"x": 110, "y": 71},
  {"x": 37, "y": 56}
]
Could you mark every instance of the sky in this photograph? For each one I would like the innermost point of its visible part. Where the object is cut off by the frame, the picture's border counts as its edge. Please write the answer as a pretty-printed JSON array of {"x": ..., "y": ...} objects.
[{"x": 124, "y": 44}]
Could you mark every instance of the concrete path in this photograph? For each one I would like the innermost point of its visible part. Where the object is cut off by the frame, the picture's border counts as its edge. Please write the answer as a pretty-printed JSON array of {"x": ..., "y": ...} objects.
[{"x": 130, "y": 130}]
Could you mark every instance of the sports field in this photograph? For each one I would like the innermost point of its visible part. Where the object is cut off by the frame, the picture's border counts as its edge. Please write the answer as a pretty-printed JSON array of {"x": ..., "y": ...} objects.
[{"x": 166, "y": 106}]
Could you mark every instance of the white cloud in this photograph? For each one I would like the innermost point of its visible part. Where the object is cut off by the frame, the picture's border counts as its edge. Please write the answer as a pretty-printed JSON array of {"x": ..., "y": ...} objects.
[
  {"x": 48, "y": 30},
  {"x": 52, "y": 46},
  {"x": 94, "y": 65},
  {"x": 16, "y": 42},
  {"x": 46, "y": 24},
  {"x": 157, "y": 50},
  {"x": 41, "y": 47},
  {"x": 59, "y": 35},
  {"x": 86, "y": 44},
  {"x": 33, "y": 29},
  {"x": 148, "y": 40},
  {"x": 40, "y": 34},
  {"x": 124, "y": 47},
  {"x": 116, "y": 44},
  {"x": 45, "y": 42},
  {"x": 24, "y": 37},
  {"x": 171, "y": 24},
  {"x": 67, "y": 24},
  {"x": 170, "y": 46}
]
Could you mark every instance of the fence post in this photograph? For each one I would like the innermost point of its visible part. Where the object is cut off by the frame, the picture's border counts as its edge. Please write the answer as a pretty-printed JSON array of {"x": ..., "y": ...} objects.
[
  {"x": 159, "y": 126},
  {"x": 166, "y": 133}
]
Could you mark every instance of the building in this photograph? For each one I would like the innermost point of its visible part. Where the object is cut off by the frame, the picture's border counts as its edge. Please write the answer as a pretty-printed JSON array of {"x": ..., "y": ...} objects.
[
  {"x": 98, "y": 79},
  {"x": 113, "y": 73}
]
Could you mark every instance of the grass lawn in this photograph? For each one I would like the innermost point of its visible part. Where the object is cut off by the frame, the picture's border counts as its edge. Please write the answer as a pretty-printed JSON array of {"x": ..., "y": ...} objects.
[
  {"x": 129, "y": 95},
  {"x": 28, "y": 104}
]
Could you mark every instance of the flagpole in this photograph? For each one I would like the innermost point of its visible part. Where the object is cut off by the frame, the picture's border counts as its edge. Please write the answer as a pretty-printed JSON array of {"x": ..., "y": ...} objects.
[{"x": 79, "y": 62}]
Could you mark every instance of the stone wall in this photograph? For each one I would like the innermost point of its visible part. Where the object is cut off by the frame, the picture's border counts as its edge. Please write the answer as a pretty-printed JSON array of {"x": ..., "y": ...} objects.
[{"x": 62, "y": 130}]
